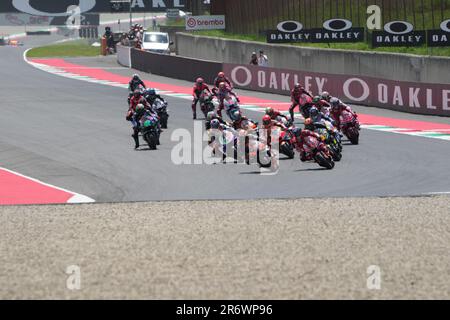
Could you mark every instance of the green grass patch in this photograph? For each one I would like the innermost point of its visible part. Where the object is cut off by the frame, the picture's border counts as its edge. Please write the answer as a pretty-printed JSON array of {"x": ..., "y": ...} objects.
[
  {"x": 360, "y": 46},
  {"x": 76, "y": 48},
  {"x": 179, "y": 22}
]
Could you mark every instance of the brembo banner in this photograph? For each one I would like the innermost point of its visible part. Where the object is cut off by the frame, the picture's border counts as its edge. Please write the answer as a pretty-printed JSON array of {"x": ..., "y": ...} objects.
[
  {"x": 423, "y": 98},
  {"x": 205, "y": 22},
  {"x": 55, "y": 8}
]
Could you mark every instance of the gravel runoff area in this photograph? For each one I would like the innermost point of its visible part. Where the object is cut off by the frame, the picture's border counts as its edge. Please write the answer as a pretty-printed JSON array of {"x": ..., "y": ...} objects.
[{"x": 272, "y": 249}]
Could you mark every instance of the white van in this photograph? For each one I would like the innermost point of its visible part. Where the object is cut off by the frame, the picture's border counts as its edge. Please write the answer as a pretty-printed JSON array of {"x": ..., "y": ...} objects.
[{"x": 156, "y": 42}]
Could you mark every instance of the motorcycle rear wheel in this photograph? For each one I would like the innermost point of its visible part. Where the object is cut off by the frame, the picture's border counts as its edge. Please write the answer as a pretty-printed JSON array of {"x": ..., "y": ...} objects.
[
  {"x": 265, "y": 162},
  {"x": 151, "y": 140},
  {"x": 164, "y": 120},
  {"x": 323, "y": 161},
  {"x": 353, "y": 136},
  {"x": 335, "y": 153},
  {"x": 287, "y": 151}
]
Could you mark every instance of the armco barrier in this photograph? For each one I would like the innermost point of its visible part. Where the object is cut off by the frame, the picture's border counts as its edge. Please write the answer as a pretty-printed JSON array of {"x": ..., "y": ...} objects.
[
  {"x": 421, "y": 98},
  {"x": 174, "y": 67},
  {"x": 124, "y": 55}
]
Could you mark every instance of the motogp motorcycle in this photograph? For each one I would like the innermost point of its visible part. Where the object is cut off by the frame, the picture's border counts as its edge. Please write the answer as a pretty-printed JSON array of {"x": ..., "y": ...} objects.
[
  {"x": 332, "y": 139},
  {"x": 231, "y": 105},
  {"x": 312, "y": 149},
  {"x": 207, "y": 102},
  {"x": 160, "y": 108},
  {"x": 287, "y": 143},
  {"x": 150, "y": 131},
  {"x": 350, "y": 127}
]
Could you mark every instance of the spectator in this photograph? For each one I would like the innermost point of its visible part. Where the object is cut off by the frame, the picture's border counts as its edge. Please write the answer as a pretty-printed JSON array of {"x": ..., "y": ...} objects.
[
  {"x": 154, "y": 23},
  {"x": 263, "y": 61},
  {"x": 254, "y": 60},
  {"x": 110, "y": 43}
]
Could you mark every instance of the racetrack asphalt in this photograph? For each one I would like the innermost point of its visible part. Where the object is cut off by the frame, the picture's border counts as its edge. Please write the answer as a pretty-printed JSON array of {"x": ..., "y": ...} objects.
[{"x": 73, "y": 134}]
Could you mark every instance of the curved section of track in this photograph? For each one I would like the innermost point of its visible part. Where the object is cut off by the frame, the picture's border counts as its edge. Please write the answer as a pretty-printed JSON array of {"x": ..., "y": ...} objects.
[{"x": 73, "y": 134}]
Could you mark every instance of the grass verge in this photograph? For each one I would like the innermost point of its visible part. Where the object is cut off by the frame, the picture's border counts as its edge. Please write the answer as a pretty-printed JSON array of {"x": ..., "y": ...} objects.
[
  {"x": 360, "y": 46},
  {"x": 76, "y": 48}
]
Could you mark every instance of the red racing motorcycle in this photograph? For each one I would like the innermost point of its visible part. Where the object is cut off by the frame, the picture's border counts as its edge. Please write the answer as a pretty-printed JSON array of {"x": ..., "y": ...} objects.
[
  {"x": 350, "y": 126},
  {"x": 314, "y": 151},
  {"x": 287, "y": 143}
]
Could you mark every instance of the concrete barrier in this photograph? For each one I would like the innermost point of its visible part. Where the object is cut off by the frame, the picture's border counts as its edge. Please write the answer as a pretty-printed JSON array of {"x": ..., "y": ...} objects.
[
  {"x": 405, "y": 96},
  {"x": 174, "y": 67},
  {"x": 388, "y": 66},
  {"x": 124, "y": 55}
]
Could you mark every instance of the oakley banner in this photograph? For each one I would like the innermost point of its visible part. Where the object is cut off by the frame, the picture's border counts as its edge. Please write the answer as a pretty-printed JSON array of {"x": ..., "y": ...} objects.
[
  {"x": 440, "y": 37},
  {"x": 422, "y": 98},
  {"x": 398, "y": 34},
  {"x": 334, "y": 30}
]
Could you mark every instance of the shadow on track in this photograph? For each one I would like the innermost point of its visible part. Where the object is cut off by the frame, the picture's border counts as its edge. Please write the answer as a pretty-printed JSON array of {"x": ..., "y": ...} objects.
[{"x": 311, "y": 169}]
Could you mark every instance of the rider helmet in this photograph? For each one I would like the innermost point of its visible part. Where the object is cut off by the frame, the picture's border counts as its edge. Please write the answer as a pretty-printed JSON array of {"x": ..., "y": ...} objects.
[
  {"x": 298, "y": 86},
  {"x": 325, "y": 96},
  {"x": 314, "y": 112},
  {"x": 266, "y": 120},
  {"x": 308, "y": 122},
  {"x": 237, "y": 115},
  {"x": 297, "y": 132},
  {"x": 215, "y": 124},
  {"x": 222, "y": 85},
  {"x": 221, "y": 74},
  {"x": 210, "y": 115},
  {"x": 199, "y": 81},
  {"x": 335, "y": 103},
  {"x": 137, "y": 93},
  {"x": 150, "y": 91},
  {"x": 269, "y": 111},
  {"x": 136, "y": 77},
  {"x": 316, "y": 99},
  {"x": 140, "y": 107}
]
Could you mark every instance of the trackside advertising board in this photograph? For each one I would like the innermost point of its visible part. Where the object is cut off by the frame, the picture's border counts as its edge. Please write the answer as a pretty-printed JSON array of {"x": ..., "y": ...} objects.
[
  {"x": 393, "y": 34},
  {"x": 398, "y": 34},
  {"x": 413, "y": 97},
  {"x": 334, "y": 30},
  {"x": 205, "y": 23},
  {"x": 440, "y": 37}
]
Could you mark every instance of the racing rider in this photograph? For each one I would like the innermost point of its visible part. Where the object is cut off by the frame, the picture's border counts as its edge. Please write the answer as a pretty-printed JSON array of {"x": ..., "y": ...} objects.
[{"x": 197, "y": 91}]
